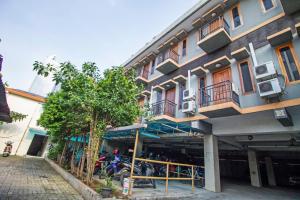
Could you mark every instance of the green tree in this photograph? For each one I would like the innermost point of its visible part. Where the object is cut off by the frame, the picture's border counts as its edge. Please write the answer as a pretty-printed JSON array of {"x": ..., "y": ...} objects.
[
  {"x": 16, "y": 116},
  {"x": 88, "y": 100}
]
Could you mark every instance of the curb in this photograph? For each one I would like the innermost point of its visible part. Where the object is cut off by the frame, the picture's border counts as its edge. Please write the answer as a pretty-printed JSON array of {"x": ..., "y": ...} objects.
[{"x": 86, "y": 192}]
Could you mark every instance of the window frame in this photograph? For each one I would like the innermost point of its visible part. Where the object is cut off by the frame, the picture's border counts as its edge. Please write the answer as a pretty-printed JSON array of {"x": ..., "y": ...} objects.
[
  {"x": 185, "y": 39},
  {"x": 180, "y": 101},
  {"x": 251, "y": 76},
  {"x": 199, "y": 87},
  {"x": 263, "y": 6},
  {"x": 152, "y": 69},
  {"x": 240, "y": 15},
  {"x": 281, "y": 64}
]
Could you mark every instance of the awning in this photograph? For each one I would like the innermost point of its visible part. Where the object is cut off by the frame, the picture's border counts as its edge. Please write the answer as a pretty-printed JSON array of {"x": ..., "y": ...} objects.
[{"x": 153, "y": 129}]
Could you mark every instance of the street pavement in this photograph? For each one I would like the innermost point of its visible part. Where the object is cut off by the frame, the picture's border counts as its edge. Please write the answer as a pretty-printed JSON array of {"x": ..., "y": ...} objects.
[{"x": 32, "y": 179}]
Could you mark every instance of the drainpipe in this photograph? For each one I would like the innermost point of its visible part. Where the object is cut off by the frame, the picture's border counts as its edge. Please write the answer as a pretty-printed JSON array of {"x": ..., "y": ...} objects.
[
  {"x": 189, "y": 80},
  {"x": 254, "y": 59},
  {"x": 151, "y": 94}
]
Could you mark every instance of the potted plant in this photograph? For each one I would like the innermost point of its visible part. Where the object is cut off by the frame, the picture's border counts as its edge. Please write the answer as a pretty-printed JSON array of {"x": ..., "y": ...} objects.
[{"x": 106, "y": 190}]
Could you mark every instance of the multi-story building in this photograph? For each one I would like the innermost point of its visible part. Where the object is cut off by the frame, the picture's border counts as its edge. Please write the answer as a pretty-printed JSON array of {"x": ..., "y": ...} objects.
[{"x": 230, "y": 68}]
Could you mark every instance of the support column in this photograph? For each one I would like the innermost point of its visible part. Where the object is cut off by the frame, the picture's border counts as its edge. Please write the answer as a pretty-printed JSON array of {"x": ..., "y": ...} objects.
[
  {"x": 211, "y": 163},
  {"x": 270, "y": 171},
  {"x": 139, "y": 148},
  {"x": 254, "y": 169}
]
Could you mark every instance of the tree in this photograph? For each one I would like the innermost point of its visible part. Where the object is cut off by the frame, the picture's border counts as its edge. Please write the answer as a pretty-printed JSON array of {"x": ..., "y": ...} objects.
[
  {"x": 16, "y": 116},
  {"x": 88, "y": 100}
]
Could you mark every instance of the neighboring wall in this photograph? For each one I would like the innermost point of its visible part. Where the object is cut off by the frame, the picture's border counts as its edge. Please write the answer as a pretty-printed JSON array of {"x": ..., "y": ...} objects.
[{"x": 15, "y": 130}]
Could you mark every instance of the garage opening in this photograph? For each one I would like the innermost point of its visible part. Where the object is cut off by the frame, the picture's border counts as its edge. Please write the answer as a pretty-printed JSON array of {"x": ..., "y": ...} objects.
[
  {"x": 277, "y": 162},
  {"x": 175, "y": 151},
  {"x": 37, "y": 145}
]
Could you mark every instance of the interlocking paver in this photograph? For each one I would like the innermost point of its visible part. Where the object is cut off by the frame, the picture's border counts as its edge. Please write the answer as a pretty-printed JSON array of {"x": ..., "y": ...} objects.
[{"x": 32, "y": 178}]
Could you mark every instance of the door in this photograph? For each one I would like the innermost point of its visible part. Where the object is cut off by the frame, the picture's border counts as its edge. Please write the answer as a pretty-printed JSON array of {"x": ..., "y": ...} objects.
[
  {"x": 37, "y": 145},
  {"x": 221, "y": 90},
  {"x": 174, "y": 53},
  {"x": 170, "y": 102},
  {"x": 146, "y": 71}
]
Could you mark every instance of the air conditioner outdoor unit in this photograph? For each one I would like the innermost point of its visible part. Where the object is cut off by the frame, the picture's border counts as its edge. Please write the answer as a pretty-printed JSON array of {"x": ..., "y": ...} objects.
[
  {"x": 189, "y": 106},
  {"x": 269, "y": 88},
  {"x": 265, "y": 71},
  {"x": 189, "y": 94}
]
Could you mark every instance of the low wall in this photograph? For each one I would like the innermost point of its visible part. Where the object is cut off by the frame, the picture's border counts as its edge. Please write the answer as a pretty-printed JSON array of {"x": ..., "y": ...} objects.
[{"x": 86, "y": 192}]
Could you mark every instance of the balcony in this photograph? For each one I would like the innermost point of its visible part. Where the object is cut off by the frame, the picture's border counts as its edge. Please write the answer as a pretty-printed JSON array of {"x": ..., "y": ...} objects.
[
  {"x": 142, "y": 76},
  {"x": 165, "y": 107},
  {"x": 219, "y": 100},
  {"x": 168, "y": 62},
  {"x": 214, "y": 35}
]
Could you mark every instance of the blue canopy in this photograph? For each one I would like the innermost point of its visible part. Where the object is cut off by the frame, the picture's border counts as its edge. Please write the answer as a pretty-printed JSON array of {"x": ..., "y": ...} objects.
[{"x": 153, "y": 129}]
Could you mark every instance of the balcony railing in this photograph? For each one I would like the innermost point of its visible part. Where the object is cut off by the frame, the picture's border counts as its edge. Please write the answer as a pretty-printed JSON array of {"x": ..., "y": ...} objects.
[
  {"x": 218, "y": 93},
  {"x": 144, "y": 73},
  {"x": 213, "y": 26},
  {"x": 165, "y": 107},
  {"x": 170, "y": 54}
]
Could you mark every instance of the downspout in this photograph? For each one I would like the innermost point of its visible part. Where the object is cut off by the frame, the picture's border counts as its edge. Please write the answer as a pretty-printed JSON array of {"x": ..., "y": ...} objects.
[
  {"x": 253, "y": 55},
  {"x": 189, "y": 80}
]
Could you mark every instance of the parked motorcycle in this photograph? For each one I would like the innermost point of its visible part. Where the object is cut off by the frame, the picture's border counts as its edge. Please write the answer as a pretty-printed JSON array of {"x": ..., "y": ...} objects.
[
  {"x": 141, "y": 169},
  {"x": 7, "y": 149},
  {"x": 100, "y": 163}
]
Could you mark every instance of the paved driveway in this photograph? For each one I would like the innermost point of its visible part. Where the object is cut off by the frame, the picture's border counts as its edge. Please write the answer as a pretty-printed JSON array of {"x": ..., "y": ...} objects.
[{"x": 32, "y": 178}]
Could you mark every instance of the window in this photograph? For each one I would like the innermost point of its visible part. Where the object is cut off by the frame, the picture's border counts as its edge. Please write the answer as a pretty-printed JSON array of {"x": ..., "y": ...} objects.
[
  {"x": 202, "y": 91},
  {"x": 153, "y": 66},
  {"x": 246, "y": 77},
  {"x": 267, "y": 4},
  {"x": 288, "y": 62},
  {"x": 236, "y": 18},
  {"x": 184, "y": 47},
  {"x": 181, "y": 89}
]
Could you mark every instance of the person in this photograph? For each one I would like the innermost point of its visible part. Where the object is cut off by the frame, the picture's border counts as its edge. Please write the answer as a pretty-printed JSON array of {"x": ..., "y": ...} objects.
[{"x": 116, "y": 160}]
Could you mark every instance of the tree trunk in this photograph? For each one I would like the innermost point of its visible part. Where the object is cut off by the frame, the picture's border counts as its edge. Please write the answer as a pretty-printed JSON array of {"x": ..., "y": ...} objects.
[
  {"x": 62, "y": 157},
  {"x": 93, "y": 148},
  {"x": 73, "y": 155},
  {"x": 83, "y": 157}
]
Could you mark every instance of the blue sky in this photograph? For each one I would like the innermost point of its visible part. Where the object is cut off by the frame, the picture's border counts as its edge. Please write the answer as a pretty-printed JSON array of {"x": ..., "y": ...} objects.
[{"x": 107, "y": 32}]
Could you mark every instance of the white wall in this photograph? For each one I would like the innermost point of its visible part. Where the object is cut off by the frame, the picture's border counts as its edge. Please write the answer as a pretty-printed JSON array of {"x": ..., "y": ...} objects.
[{"x": 15, "y": 130}]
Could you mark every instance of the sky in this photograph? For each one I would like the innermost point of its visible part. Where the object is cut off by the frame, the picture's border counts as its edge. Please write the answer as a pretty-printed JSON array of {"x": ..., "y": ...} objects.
[{"x": 106, "y": 32}]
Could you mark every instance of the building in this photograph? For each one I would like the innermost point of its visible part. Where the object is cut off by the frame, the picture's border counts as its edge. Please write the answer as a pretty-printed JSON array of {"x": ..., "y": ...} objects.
[
  {"x": 27, "y": 136},
  {"x": 229, "y": 68}
]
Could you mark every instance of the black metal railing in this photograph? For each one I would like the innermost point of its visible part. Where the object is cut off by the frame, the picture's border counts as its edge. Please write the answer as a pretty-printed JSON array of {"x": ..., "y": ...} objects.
[
  {"x": 141, "y": 72},
  {"x": 164, "y": 107},
  {"x": 169, "y": 54},
  {"x": 218, "y": 93},
  {"x": 213, "y": 26}
]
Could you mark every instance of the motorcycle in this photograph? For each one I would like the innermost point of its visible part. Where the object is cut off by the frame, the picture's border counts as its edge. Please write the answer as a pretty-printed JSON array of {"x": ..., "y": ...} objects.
[
  {"x": 141, "y": 169},
  {"x": 7, "y": 149},
  {"x": 100, "y": 163}
]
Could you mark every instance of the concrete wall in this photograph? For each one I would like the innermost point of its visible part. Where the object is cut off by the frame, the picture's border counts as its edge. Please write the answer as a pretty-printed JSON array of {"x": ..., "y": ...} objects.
[{"x": 16, "y": 130}]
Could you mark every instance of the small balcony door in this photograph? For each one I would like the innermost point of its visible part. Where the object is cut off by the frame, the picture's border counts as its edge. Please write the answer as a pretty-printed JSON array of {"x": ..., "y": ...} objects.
[
  {"x": 221, "y": 90},
  {"x": 170, "y": 101},
  {"x": 146, "y": 71}
]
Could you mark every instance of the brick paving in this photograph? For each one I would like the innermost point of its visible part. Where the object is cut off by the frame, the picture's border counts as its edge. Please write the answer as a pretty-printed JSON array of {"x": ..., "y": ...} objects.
[{"x": 32, "y": 178}]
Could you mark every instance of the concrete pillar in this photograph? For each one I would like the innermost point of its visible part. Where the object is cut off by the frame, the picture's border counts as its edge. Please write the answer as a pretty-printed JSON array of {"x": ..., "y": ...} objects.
[
  {"x": 139, "y": 148},
  {"x": 211, "y": 163},
  {"x": 254, "y": 169},
  {"x": 270, "y": 171}
]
